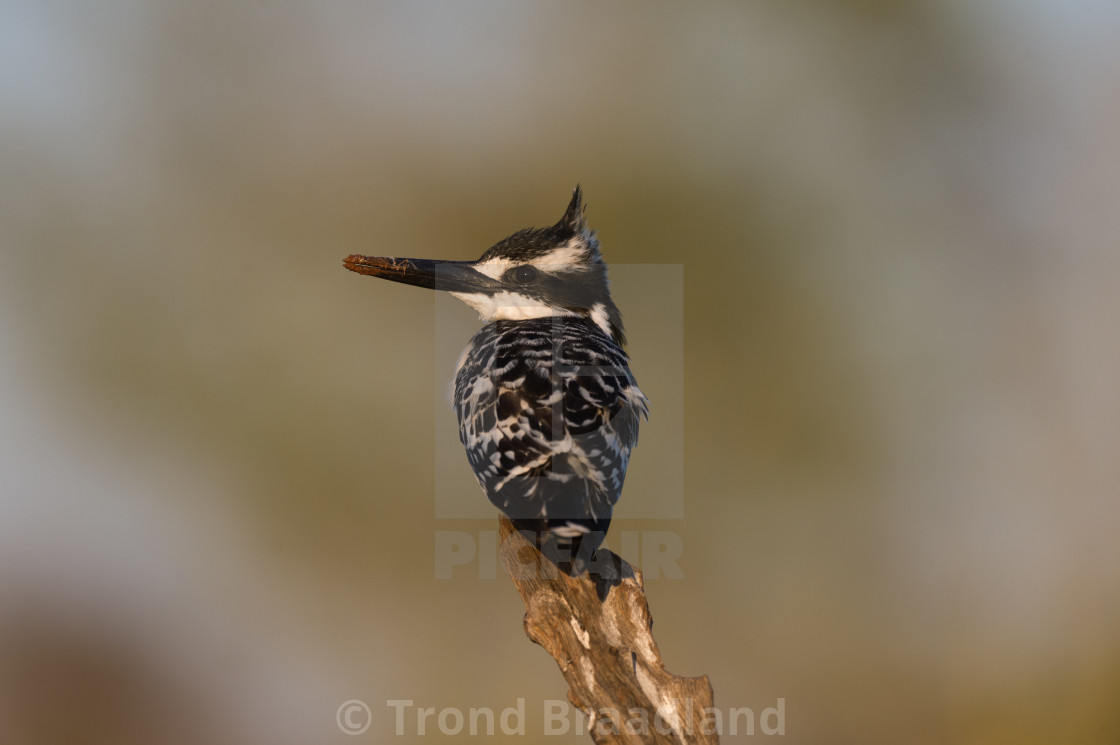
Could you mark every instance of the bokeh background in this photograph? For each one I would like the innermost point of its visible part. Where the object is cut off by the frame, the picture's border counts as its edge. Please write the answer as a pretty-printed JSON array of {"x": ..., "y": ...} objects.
[{"x": 896, "y": 227}]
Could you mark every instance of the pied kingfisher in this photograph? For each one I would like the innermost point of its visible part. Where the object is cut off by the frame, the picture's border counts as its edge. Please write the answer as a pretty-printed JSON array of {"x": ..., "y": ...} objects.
[{"x": 548, "y": 409}]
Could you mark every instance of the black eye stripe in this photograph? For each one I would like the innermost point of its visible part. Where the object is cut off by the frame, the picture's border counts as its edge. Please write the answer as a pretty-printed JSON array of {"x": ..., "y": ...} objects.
[{"x": 523, "y": 274}]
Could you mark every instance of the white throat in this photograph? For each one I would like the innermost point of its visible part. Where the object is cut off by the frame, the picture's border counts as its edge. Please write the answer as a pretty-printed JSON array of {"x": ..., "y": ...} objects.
[{"x": 508, "y": 306}]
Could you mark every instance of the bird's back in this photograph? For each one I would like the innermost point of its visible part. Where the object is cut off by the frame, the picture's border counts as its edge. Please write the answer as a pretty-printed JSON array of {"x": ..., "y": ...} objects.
[{"x": 548, "y": 412}]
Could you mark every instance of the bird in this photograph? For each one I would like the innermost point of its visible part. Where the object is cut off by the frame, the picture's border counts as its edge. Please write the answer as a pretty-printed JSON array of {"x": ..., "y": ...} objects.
[{"x": 547, "y": 406}]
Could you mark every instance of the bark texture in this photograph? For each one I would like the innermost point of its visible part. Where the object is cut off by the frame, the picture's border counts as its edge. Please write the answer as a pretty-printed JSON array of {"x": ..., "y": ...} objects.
[{"x": 599, "y": 631}]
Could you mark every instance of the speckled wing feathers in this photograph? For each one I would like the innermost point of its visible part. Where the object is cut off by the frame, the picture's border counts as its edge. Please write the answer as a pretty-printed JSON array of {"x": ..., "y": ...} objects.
[{"x": 548, "y": 413}]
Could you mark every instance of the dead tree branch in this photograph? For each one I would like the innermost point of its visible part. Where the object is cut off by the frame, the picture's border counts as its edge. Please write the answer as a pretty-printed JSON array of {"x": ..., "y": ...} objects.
[{"x": 599, "y": 632}]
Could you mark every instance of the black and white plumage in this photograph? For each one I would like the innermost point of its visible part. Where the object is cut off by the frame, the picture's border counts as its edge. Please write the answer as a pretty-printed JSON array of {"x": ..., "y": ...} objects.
[
  {"x": 548, "y": 409},
  {"x": 548, "y": 413}
]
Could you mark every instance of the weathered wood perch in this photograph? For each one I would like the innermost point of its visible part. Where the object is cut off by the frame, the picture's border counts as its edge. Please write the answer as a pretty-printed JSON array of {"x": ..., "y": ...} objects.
[{"x": 599, "y": 632}]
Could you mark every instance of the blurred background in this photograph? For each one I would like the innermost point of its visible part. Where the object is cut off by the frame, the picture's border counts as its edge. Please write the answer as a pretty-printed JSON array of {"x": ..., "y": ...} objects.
[{"x": 892, "y": 347}]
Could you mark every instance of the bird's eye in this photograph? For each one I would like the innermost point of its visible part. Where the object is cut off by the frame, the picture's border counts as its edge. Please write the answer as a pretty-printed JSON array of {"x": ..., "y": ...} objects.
[{"x": 523, "y": 274}]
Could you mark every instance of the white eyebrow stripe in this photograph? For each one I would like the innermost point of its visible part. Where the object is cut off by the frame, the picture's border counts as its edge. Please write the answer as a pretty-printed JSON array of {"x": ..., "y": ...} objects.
[
  {"x": 574, "y": 252},
  {"x": 494, "y": 268}
]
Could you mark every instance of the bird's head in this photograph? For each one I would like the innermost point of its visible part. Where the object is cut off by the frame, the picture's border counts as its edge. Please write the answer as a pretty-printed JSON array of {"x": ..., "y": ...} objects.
[{"x": 534, "y": 273}]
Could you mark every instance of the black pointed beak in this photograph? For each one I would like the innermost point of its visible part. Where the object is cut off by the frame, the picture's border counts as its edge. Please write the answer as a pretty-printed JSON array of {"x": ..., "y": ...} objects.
[{"x": 448, "y": 276}]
